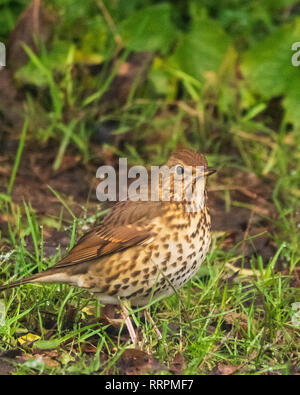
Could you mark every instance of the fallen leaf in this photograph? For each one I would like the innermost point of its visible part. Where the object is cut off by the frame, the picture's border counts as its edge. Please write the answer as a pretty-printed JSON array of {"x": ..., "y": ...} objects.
[
  {"x": 89, "y": 348},
  {"x": 226, "y": 370},
  {"x": 28, "y": 338},
  {"x": 88, "y": 311},
  {"x": 178, "y": 364},
  {"x": 134, "y": 361}
]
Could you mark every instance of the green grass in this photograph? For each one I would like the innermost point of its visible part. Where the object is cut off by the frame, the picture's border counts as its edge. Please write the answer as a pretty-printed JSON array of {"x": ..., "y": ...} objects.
[
  {"x": 243, "y": 321},
  {"x": 260, "y": 339},
  {"x": 237, "y": 311},
  {"x": 18, "y": 157}
]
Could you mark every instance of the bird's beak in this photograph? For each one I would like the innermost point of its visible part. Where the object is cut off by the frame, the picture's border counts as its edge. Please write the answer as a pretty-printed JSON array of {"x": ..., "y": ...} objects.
[{"x": 209, "y": 171}]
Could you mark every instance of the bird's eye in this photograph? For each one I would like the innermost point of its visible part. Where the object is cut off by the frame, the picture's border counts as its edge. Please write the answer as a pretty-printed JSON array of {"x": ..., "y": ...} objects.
[{"x": 179, "y": 170}]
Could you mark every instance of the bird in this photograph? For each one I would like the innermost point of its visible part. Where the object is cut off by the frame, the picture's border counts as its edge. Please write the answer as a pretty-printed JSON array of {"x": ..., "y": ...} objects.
[{"x": 142, "y": 250}]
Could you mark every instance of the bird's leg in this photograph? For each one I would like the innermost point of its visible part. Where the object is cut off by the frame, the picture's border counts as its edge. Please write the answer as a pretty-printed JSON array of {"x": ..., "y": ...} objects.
[{"x": 128, "y": 323}]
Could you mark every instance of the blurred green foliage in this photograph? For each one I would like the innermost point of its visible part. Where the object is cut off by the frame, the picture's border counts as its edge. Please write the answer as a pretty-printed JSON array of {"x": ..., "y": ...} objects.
[{"x": 234, "y": 53}]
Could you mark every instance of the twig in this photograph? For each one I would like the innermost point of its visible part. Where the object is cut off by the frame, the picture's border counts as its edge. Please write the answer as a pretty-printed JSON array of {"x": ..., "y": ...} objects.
[{"x": 35, "y": 15}]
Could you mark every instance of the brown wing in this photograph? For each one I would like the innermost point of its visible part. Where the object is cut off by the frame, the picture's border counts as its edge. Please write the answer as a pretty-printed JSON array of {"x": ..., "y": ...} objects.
[{"x": 122, "y": 228}]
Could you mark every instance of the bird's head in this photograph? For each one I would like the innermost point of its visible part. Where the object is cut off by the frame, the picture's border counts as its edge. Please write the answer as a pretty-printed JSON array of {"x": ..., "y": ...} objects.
[{"x": 185, "y": 176}]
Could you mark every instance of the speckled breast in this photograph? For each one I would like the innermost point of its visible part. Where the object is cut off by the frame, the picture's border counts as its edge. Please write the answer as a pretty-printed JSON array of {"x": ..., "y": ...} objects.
[
  {"x": 171, "y": 257},
  {"x": 182, "y": 243}
]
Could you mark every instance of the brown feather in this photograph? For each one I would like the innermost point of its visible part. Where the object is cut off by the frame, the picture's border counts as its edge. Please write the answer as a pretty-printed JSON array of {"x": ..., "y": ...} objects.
[{"x": 120, "y": 229}]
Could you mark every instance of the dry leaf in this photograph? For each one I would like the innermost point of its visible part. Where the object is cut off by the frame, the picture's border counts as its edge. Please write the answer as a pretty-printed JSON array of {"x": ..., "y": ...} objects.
[
  {"x": 178, "y": 364},
  {"x": 226, "y": 370},
  {"x": 28, "y": 338},
  {"x": 134, "y": 361}
]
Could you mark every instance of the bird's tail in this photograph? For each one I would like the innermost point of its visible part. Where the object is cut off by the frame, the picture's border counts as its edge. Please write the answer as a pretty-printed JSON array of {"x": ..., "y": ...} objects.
[{"x": 45, "y": 276}]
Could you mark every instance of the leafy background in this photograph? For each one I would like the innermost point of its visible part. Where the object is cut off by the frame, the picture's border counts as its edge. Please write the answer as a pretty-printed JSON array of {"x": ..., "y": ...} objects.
[{"x": 214, "y": 48}]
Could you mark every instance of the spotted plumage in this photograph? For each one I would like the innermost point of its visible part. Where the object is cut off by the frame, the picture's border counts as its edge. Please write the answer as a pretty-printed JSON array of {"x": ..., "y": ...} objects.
[{"x": 142, "y": 250}]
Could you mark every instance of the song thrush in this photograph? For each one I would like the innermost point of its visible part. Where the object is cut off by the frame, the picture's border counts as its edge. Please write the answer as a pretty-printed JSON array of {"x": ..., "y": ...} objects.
[{"x": 143, "y": 249}]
